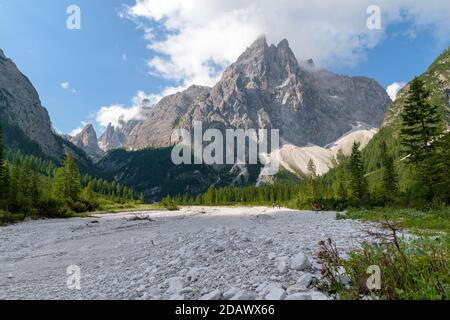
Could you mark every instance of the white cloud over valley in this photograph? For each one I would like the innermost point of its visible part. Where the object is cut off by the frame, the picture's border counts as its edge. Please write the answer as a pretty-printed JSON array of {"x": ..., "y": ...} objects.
[
  {"x": 202, "y": 37},
  {"x": 114, "y": 114}
]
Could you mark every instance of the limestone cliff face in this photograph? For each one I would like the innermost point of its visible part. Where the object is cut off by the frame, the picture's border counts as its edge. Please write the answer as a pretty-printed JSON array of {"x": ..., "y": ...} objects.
[
  {"x": 268, "y": 88},
  {"x": 27, "y": 123},
  {"x": 21, "y": 107},
  {"x": 87, "y": 141}
]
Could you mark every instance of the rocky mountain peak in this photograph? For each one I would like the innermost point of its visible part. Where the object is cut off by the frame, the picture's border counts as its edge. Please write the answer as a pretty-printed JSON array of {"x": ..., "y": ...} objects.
[
  {"x": 87, "y": 141},
  {"x": 268, "y": 88}
]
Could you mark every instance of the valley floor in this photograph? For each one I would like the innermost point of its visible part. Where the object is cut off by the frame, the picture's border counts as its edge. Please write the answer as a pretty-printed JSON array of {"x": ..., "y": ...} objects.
[{"x": 209, "y": 253}]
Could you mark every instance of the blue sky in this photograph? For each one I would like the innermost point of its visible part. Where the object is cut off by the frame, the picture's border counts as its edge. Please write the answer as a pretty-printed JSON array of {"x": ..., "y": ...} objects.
[{"x": 106, "y": 62}]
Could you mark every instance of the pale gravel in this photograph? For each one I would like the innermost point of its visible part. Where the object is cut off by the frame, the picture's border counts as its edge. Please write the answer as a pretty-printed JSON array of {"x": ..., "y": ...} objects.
[{"x": 204, "y": 251}]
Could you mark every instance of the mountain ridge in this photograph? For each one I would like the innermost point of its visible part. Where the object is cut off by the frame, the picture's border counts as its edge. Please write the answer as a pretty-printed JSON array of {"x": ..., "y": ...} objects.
[{"x": 268, "y": 88}]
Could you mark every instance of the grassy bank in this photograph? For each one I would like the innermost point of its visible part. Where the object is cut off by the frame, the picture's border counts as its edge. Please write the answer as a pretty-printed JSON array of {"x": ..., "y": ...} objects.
[
  {"x": 412, "y": 219},
  {"x": 411, "y": 268},
  {"x": 104, "y": 208}
]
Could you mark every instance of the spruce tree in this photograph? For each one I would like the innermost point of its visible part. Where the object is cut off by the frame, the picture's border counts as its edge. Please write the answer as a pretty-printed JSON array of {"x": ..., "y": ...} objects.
[
  {"x": 358, "y": 183},
  {"x": 421, "y": 131},
  {"x": 422, "y": 123},
  {"x": 390, "y": 178},
  {"x": 310, "y": 181}
]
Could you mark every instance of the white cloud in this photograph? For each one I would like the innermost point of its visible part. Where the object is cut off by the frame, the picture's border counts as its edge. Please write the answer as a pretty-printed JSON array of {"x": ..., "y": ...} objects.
[
  {"x": 76, "y": 131},
  {"x": 66, "y": 86},
  {"x": 204, "y": 36},
  {"x": 394, "y": 88},
  {"x": 114, "y": 114}
]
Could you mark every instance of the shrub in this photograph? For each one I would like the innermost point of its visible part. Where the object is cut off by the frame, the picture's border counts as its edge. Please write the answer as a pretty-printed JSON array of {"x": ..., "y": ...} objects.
[
  {"x": 169, "y": 204},
  {"x": 52, "y": 208}
]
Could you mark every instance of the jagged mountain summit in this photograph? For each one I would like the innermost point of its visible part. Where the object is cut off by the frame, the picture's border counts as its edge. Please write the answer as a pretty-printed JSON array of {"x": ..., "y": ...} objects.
[
  {"x": 87, "y": 141},
  {"x": 267, "y": 87}
]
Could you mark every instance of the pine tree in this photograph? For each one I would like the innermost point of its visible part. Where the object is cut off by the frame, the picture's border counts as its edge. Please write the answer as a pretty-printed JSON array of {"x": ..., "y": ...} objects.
[
  {"x": 358, "y": 183},
  {"x": 312, "y": 172},
  {"x": 88, "y": 192},
  {"x": 67, "y": 184},
  {"x": 310, "y": 181},
  {"x": 4, "y": 175},
  {"x": 390, "y": 178},
  {"x": 422, "y": 123},
  {"x": 422, "y": 128}
]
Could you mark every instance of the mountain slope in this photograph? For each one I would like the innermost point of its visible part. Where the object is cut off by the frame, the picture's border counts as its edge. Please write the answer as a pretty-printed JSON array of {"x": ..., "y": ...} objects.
[
  {"x": 437, "y": 80},
  {"x": 26, "y": 122},
  {"x": 295, "y": 159},
  {"x": 268, "y": 88}
]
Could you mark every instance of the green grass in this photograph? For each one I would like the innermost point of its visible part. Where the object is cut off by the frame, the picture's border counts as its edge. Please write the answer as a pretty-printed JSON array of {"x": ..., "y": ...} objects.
[
  {"x": 106, "y": 206},
  {"x": 418, "y": 268},
  {"x": 412, "y": 219}
]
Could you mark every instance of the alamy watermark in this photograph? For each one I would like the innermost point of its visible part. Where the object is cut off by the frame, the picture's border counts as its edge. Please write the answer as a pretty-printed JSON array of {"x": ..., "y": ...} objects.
[
  {"x": 374, "y": 280},
  {"x": 374, "y": 19},
  {"x": 210, "y": 147},
  {"x": 73, "y": 21},
  {"x": 74, "y": 277}
]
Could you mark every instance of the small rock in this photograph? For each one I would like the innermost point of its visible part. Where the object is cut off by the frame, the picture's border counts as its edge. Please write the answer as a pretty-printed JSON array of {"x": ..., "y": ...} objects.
[
  {"x": 305, "y": 280},
  {"x": 300, "y": 262},
  {"x": 214, "y": 295},
  {"x": 186, "y": 290},
  {"x": 242, "y": 296},
  {"x": 176, "y": 297},
  {"x": 271, "y": 256},
  {"x": 298, "y": 296},
  {"x": 276, "y": 294},
  {"x": 230, "y": 293},
  {"x": 318, "y": 296},
  {"x": 282, "y": 266},
  {"x": 176, "y": 284},
  {"x": 295, "y": 289},
  {"x": 343, "y": 276}
]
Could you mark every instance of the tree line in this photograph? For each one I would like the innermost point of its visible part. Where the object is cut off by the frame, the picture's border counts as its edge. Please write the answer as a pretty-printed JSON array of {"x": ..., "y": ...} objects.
[
  {"x": 34, "y": 186},
  {"x": 419, "y": 175}
]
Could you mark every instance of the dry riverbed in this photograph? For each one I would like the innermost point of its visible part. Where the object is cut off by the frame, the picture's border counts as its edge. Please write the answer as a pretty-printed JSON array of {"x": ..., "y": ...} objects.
[{"x": 196, "y": 253}]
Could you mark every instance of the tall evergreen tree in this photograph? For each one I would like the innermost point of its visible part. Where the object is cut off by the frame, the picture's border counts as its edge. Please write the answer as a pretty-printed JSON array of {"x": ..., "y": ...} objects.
[
  {"x": 358, "y": 183},
  {"x": 4, "y": 175},
  {"x": 67, "y": 184},
  {"x": 422, "y": 123},
  {"x": 422, "y": 129},
  {"x": 390, "y": 178}
]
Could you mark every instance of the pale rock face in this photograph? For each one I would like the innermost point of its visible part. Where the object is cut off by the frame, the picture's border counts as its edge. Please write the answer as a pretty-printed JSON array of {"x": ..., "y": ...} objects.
[
  {"x": 268, "y": 88},
  {"x": 295, "y": 159},
  {"x": 87, "y": 141},
  {"x": 20, "y": 106}
]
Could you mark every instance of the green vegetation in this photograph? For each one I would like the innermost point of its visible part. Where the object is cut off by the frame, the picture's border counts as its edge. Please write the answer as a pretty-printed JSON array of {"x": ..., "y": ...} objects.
[
  {"x": 264, "y": 195},
  {"x": 432, "y": 220},
  {"x": 417, "y": 269},
  {"x": 36, "y": 188}
]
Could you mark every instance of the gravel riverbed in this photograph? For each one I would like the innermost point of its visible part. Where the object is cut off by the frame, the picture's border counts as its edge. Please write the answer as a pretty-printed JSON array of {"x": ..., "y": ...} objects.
[{"x": 196, "y": 253}]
